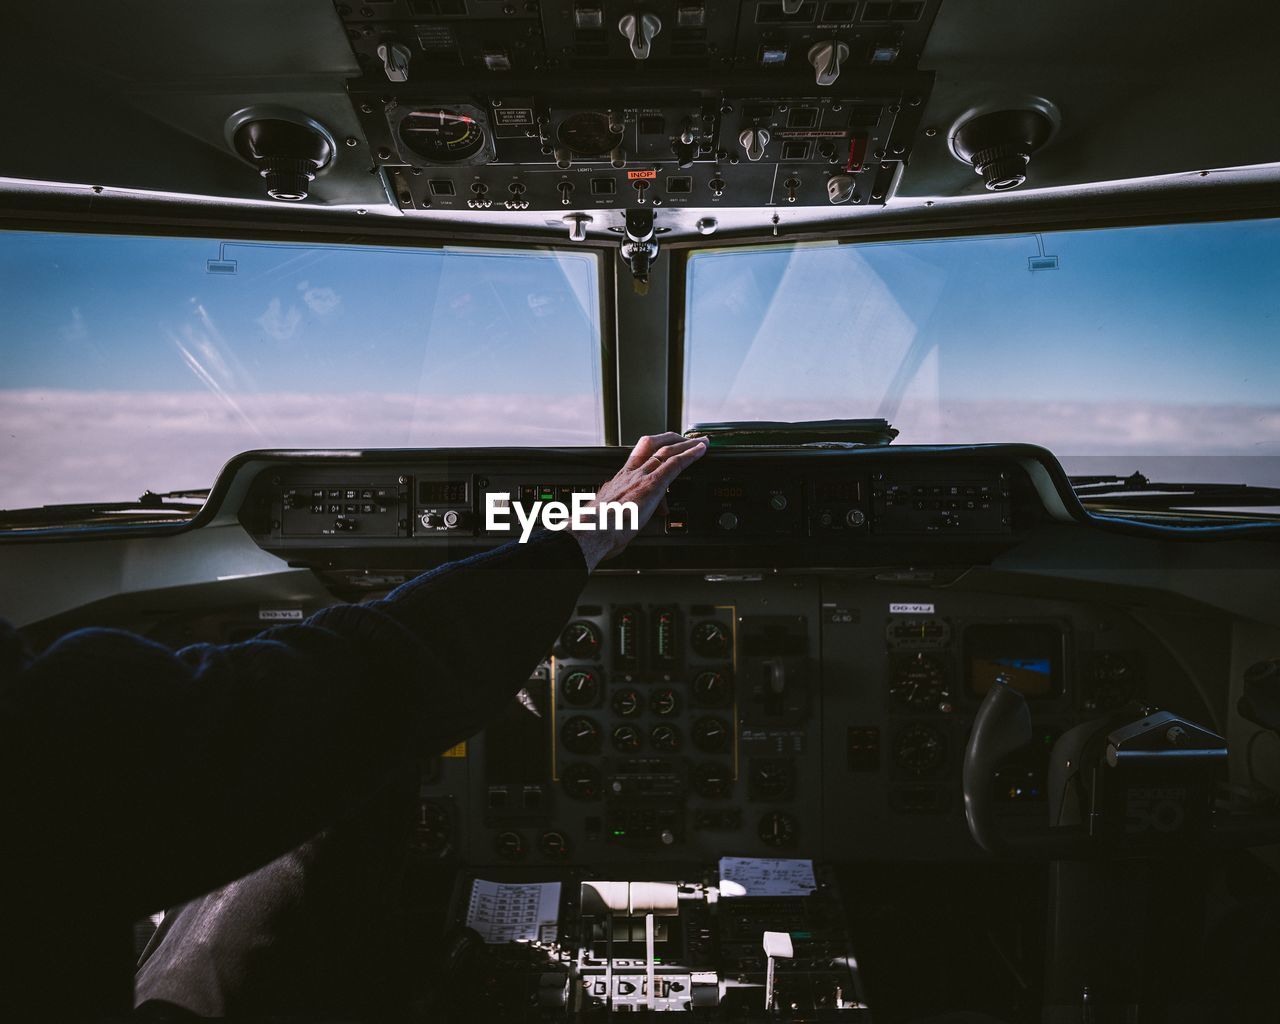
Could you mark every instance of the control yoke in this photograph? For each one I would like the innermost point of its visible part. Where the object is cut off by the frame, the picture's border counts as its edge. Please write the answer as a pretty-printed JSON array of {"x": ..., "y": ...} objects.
[{"x": 1141, "y": 782}]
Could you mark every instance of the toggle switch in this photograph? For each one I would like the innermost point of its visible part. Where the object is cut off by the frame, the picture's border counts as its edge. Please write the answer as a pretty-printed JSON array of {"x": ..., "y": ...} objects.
[
  {"x": 790, "y": 7},
  {"x": 753, "y": 140},
  {"x": 566, "y": 192},
  {"x": 826, "y": 58},
  {"x": 639, "y": 30},
  {"x": 395, "y": 61}
]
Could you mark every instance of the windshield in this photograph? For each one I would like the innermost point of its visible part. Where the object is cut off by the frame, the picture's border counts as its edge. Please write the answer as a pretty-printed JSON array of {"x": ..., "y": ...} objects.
[
  {"x": 1152, "y": 348},
  {"x": 135, "y": 363}
]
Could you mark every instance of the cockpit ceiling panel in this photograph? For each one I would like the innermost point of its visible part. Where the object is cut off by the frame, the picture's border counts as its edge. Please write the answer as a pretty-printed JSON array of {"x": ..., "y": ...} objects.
[{"x": 756, "y": 115}]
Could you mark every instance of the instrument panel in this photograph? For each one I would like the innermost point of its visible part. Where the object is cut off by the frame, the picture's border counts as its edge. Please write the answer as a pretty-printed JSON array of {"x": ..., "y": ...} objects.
[
  {"x": 485, "y": 105},
  {"x": 780, "y": 665},
  {"x": 815, "y": 508}
]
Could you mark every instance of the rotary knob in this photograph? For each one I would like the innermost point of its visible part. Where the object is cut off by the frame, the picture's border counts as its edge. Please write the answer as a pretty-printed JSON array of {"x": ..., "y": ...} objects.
[
  {"x": 753, "y": 141},
  {"x": 728, "y": 520}
]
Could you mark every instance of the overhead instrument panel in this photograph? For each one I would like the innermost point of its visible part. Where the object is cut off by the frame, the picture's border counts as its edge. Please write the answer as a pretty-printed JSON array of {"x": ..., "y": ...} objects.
[{"x": 483, "y": 105}]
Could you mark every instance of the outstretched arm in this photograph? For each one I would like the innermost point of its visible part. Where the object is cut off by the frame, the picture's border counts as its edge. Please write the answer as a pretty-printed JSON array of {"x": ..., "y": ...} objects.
[{"x": 164, "y": 775}]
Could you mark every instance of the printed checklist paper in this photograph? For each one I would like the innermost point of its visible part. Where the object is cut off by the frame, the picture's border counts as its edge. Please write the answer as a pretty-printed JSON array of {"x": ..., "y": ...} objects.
[
  {"x": 521, "y": 912},
  {"x": 767, "y": 876}
]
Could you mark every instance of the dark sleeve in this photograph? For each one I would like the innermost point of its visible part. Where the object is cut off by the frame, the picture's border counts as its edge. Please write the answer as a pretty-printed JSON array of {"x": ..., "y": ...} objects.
[{"x": 163, "y": 775}]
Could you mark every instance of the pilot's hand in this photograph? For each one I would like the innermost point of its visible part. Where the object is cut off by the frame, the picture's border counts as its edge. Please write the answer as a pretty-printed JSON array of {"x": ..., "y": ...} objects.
[{"x": 644, "y": 478}]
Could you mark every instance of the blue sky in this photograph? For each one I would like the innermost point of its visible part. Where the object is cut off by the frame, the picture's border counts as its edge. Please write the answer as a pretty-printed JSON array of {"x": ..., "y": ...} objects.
[
  {"x": 82, "y": 311},
  {"x": 1181, "y": 314}
]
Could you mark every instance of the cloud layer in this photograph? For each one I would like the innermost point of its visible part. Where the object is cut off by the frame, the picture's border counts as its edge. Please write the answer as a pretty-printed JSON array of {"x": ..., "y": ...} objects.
[{"x": 61, "y": 446}]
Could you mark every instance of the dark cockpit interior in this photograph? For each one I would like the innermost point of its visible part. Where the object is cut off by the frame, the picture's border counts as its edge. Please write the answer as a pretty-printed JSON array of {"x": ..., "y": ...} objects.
[{"x": 944, "y": 687}]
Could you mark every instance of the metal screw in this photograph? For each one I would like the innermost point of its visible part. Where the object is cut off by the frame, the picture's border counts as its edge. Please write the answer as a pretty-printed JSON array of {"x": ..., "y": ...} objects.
[
  {"x": 931, "y": 132},
  {"x": 384, "y": 153}
]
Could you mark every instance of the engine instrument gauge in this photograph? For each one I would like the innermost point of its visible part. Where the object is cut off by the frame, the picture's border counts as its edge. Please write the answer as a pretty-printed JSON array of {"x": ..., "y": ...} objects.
[
  {"x": 580, "y": 640},
  {"x": 919, "y": 750},
  {"x": 711, "y": 639},
  {"x": 664, "y": 702},
  {"x": 626, "y": 738},
  {"x": 778, "y": 829},
  {"x": 664, "y": 737},
  {"x": 711, "y": 690},
  {"x": 581, "y": 688},
  {"x": 587, "y": 133},
  {"x": 920, "y": 682},
  {"x": 712, "y": 735},
  {"x": 581, "y": 735},
  {"x": 582, "y": 782},
  {"x": 442, "y": 136},
  {"x": 771, "y": 780},
  {"x": 626, "y": 703},
  {"x": 712, "y": 781}
]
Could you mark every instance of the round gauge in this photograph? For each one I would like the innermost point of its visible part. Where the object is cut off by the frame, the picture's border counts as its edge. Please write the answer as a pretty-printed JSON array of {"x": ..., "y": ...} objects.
[
  {"x": 664, "y": 702},
  {"x": 778, "y": 829},
  {"x": 920, "y": 682},
  {"x": 442, "y": 136},
  {"x": 626, "y": 738},
  {"x": 553, "y": 844},
  {"x": 581, "y": 688},
  {"x": 582, "y": 782},
  {"x": 712, "y": 781},
  {"x": 919, "y": 749},
  {"x": 431, "y": 834},
  {"x": 712, "y": 735},
  {"x": 711, "y": 690},
  {"x": 665, "y": 737},
  {"x": 580, "y": 640},
  {"x": 509, "y": 845},
  {"x": 770, "y": 780},
  {"x": 587, "y": 133},
  {"x": 1113, "y": 682},
  {"x": 580, "y": 735},
  {"x": 626, "y": 703},
  {"x": 711, "y": 639}
]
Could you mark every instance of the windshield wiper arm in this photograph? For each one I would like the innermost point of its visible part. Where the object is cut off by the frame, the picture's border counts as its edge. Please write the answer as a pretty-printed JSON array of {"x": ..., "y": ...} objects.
[
  {"x": 166, "y": 503},
  {"x": 1137, "y": 491}
]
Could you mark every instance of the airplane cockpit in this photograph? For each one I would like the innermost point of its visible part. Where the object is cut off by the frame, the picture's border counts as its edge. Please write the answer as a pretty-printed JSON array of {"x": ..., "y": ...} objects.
[{"x": 945, "y": 685}]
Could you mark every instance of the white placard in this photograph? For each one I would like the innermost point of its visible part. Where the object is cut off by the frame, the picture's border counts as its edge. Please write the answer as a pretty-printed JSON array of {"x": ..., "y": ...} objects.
[
  {"x": 279, "y": 614},
  {"x": 514, "y": 912},
  {"x": 905, "y": 608},
  {"x": 766, "y": 876}
]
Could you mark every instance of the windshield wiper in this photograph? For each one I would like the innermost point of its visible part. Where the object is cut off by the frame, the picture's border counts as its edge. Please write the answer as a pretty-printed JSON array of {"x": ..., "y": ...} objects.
[
  {"x": 1137, "y": 492},
  {"x": 164, "y": 506}
]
